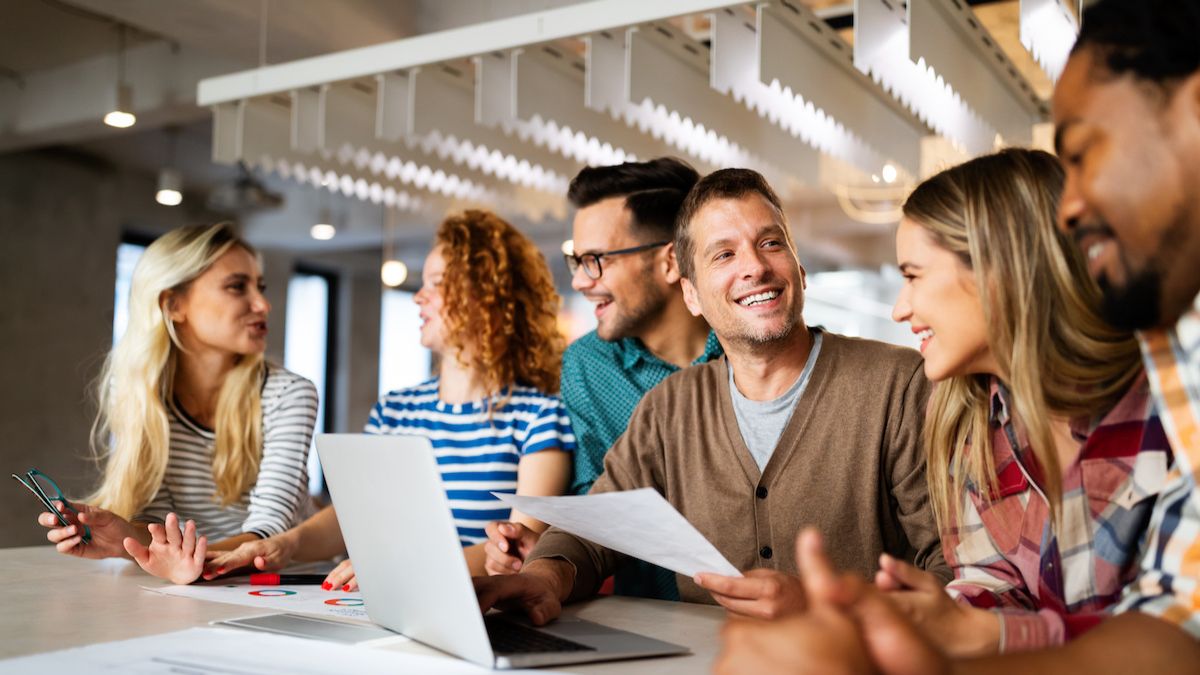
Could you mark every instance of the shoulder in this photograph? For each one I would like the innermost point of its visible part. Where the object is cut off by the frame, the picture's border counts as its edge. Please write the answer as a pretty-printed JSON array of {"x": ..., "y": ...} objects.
[
  {"x": 589, "y": 347},
  {"x": 698, "y": 380},
  {"x": 870, "y": 355},
  {"x": 424, "y": 393},
  {"x": 531, "y": 399},
  {"x": 282, "y": 386}
]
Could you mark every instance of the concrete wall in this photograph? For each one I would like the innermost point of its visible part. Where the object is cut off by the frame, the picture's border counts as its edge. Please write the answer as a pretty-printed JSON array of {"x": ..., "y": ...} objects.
[{"x": 61, "y": 218}]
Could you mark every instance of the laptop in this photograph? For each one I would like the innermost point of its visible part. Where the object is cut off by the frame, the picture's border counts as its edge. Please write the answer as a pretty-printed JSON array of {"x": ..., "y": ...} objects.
[{"x": 398, "y": 529}]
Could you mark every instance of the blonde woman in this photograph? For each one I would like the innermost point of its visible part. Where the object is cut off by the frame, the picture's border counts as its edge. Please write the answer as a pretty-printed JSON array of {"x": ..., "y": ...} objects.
[
  {"x": 1044, "y": 451},
  {"x": 193, "y": 424}
]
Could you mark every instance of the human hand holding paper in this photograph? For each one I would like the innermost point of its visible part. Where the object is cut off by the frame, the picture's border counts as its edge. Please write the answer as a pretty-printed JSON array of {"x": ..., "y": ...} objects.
[{"x": 639, "y": 523}]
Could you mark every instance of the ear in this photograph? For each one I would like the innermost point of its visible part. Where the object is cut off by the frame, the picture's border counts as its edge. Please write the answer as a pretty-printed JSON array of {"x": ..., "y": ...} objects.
[
  {"x": 169, "y": 302},
  {"x": 690, "y": 297},
  {"x": 670, "y": 266},
  {"x": 803, "y": 277}
]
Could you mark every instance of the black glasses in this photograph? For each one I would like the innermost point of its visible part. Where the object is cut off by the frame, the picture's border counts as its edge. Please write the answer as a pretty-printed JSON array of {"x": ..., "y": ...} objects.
[
  {"x": 590, "y": 262},
  {"x": 33, "y": 481}
]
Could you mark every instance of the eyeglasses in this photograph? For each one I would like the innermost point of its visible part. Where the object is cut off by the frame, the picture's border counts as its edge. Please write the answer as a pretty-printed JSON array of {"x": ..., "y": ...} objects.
[
  {"x": 590, "y": 262},
  {"x": 33, "y": 484}
]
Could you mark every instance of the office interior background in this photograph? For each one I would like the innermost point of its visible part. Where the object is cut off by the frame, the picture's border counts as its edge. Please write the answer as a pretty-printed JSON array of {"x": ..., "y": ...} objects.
[{"x": 338, "y": 134}]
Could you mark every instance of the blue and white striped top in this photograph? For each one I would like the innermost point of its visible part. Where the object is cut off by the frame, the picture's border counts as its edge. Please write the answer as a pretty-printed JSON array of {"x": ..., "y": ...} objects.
[{"x": 477, "y": 455}]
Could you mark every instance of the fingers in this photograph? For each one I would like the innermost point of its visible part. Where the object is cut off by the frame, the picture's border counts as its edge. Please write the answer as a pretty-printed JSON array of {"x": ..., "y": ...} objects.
[
  {"x": 69, "y": 545},
  {"x": 139, "y": 553},
  {"x": 351, "y": 585},
  {"x": 744, "y": 588},
  {"x": 200, "y": 551},
  {"x": 894, "y": 640},
  {"x": 908, "y": 575},
  {"x": 157, "y": 534},
  {"x": 492, "y": 530},
  {"x": 755, "y": 609},
  {"x": 60, "y": 534},
  {"x": 189, "y": 539},
  {"x": 340, "y": 577},
  {"x": 821, "y": 582},
  {"x": 498, "y": 562},
  {"x": 174, "y": 538}
]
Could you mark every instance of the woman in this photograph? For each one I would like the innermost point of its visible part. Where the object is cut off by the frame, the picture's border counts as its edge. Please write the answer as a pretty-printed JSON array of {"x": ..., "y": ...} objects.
[
  {"x": 1044, "y": 453},
  {"x": 489, "y": 312},
  {"x": 193, "y": 423}
]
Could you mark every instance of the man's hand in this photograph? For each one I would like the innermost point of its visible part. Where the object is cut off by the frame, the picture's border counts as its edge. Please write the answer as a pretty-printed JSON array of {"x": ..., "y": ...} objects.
[
  {"x": 849, "y": 627},
  {"x": 179, "y": 558},
  {"x": 507, "y": 546},
  {"x": 958, "y": 629},
  {"x": 538, "y": 591},
  {"x": 108, "y": 531},
  {"x": 265, "y": 555},
  {"x": 761, "y": 594}
]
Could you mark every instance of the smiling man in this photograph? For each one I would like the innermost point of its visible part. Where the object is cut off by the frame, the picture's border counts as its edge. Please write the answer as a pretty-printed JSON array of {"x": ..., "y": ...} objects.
[{"x": 794, "y": 426}]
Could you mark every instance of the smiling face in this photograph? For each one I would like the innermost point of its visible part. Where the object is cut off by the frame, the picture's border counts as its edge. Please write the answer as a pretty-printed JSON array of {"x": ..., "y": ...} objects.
[
  {"x": 224, "y": 309},
  {"x": 746, "y": 280},
  {"x": 940, "y": 301},
  {"x": 632, "y": 288},
  {"x": 1130, "y": 200},
  {"x": 429, "y": 299}
]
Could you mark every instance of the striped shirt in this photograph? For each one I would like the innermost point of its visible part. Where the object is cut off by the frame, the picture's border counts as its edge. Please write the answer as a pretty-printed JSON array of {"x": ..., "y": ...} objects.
[
  {"x": 1168, "y": 585},
  {"x": 277, "y": 501},
  {"x": 476, "y": 455}
]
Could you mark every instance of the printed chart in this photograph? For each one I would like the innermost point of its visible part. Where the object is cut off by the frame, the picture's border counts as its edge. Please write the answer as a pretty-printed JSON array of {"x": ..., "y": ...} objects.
[{"x": 299, "y": 599}]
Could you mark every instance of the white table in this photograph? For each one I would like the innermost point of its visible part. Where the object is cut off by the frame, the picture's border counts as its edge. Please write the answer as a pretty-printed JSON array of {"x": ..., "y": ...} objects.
[{"x": 51, "y": 601}]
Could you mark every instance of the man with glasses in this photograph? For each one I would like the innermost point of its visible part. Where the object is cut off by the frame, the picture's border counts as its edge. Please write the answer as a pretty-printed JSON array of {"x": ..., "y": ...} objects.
[{"x": 624, "y": 263}]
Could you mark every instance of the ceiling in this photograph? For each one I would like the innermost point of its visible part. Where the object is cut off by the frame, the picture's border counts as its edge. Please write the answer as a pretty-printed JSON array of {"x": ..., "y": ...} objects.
[{"x": 41, "y": 40}]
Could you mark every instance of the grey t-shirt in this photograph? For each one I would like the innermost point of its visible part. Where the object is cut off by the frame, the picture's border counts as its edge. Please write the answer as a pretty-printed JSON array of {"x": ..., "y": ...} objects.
[{"x": 762, "y": 422}]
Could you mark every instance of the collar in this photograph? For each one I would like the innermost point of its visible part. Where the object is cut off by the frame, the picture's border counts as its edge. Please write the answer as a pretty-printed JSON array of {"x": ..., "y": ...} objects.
[{"x": 633, "y": 351}]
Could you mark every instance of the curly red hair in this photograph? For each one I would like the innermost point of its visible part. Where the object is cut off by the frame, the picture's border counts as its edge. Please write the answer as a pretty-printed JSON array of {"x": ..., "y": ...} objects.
[{"x": 499, "y": 302}]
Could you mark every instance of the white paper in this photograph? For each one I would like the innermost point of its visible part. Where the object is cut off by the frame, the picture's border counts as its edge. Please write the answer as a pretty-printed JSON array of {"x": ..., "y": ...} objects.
[
  {"x": 639, "y": 523},
  {"x": 225, "y": 651},
  {"x": 301, "y": 599}
]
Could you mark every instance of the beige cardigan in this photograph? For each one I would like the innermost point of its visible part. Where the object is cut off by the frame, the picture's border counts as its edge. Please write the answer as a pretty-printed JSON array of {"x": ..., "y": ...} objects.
[{"x": 849, "y": 463}]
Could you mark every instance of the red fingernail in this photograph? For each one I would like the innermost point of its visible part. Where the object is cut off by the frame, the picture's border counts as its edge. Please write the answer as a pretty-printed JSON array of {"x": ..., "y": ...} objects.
[
  {"x": 346, "y": 587},
  {"x": 326, "y": 586},
  {"x": 220, "y": 570}
]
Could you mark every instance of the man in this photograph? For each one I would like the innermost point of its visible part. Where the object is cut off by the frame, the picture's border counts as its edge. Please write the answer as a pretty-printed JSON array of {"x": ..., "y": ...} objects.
[
  {"x": 794, "y": 426},
  {"x": 623, "y": 262},
  {"x": 1127, "y": 111}
]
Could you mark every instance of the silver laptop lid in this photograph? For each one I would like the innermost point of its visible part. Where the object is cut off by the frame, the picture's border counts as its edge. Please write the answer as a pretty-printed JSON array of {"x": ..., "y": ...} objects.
[{"x": 399, "y": 532}]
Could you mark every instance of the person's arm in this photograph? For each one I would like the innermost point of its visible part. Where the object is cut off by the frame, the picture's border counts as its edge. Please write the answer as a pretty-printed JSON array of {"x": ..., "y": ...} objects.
[
  {"x": 541, "y": 474},
  {"x": 318, "y": 538},
  {"x": 904, "y": 464},
  {"x": 281, "y": 489},
  {"x": 581, "y": 408}
]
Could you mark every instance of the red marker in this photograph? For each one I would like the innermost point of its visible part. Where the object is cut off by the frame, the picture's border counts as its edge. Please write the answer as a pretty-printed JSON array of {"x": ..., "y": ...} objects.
[{"x": 272, "y": 579}]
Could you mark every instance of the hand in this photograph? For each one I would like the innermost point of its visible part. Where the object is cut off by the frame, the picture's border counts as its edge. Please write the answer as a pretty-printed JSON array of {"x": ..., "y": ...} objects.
[
  {"x": 341, "y": 578},
  {"x": 958, "y": 629},
  {"x": 761, "y": 594},
  {"x": 507, "y": 546},
  {"x": 179, "y": 558},
  {"x": 847, "y": 620},
  {"x": 265, "y": 555},
  {"x": 531, "y": 592},
  {"x": 108, "y": 531}
]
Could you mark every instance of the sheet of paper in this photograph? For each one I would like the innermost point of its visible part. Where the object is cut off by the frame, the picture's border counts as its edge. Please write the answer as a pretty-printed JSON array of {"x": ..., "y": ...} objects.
[
  {"x": 299, "y": 599},
  {"x": 221, "y": 650},
  {"x": 639, "y": 523}
]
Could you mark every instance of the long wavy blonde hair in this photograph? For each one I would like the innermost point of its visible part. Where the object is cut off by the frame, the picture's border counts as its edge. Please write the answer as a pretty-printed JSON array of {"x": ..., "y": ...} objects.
[
  {"x": 1055, "y": 353},
  {"x": 131, "y": 433}
]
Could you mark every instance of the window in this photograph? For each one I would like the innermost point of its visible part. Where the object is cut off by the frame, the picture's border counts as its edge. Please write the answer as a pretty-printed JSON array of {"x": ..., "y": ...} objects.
[
  {"x": 308, "y": 347},
  {"x": 403, "y": 362},
  {"x": 128, "y": 254}
]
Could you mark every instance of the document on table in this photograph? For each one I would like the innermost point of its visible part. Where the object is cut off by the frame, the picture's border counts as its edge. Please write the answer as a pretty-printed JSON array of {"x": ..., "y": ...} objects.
[
  {"x": 639, "y": 523},
  {"x": 219, "y": 650},
  {"x": 302, "y": 599}
]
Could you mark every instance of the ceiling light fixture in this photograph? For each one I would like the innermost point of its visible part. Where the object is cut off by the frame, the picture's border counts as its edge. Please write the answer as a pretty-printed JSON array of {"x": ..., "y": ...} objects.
[
  {"x": 121, "y": 116},
  {"x": 169, "y": 186},
  {"x": 324, "y": 229},
  {"x": 393, "y": 273}
]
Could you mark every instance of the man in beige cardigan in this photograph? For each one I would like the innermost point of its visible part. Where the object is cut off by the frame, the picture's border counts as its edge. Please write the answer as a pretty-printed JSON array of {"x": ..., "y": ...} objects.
[{"x": 793, "y": 427}]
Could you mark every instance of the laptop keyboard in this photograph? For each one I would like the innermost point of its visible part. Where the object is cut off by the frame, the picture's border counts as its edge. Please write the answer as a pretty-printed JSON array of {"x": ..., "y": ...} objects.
[{"x": 509, "y": 637}]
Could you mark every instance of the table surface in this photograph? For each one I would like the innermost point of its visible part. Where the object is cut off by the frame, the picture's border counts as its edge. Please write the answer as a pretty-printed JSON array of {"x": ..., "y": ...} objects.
[{"x": 52, "y": 601}]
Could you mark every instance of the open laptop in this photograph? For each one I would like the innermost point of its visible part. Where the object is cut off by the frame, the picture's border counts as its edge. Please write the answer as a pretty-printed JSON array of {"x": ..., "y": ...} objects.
[{"x": 411, "y": 571}]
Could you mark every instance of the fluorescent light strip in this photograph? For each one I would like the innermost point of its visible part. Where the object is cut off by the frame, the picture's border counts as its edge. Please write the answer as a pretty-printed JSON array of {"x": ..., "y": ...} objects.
[{"x": 1048, "y": 31}]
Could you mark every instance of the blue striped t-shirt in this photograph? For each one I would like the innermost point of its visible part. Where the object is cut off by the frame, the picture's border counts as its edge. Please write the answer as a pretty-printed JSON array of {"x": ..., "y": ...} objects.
[{"x": 476, "y": 454}]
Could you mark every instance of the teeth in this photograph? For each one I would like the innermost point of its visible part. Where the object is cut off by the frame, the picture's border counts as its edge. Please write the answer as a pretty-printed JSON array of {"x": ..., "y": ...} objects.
[
  {"x": 1094, "y": 250},
  {"x": 925, "y": 334},
  {"x": 758, "y": 297}
]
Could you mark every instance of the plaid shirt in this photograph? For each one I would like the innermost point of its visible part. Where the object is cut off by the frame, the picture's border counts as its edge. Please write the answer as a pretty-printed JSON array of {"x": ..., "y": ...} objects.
[
  {"x": 1168, "y": 584},
  {"x": 1049, "y": 586}
]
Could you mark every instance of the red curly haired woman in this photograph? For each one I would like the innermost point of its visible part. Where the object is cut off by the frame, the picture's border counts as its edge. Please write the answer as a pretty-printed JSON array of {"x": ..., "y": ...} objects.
[{"x": 488, "y": 310}]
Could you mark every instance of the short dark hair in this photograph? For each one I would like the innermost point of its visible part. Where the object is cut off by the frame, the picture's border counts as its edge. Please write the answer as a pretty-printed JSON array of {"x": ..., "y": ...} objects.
[
  {"x": 653, "y": 191},
  {"x": 1154, "y": 40},
  {"x": 721, "y": 184}
]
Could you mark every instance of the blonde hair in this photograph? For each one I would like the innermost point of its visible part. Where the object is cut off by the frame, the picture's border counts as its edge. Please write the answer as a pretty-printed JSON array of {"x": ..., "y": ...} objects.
[
  {"x": 1055, "y": 353},
  {"x": 131, "y": 433}
]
